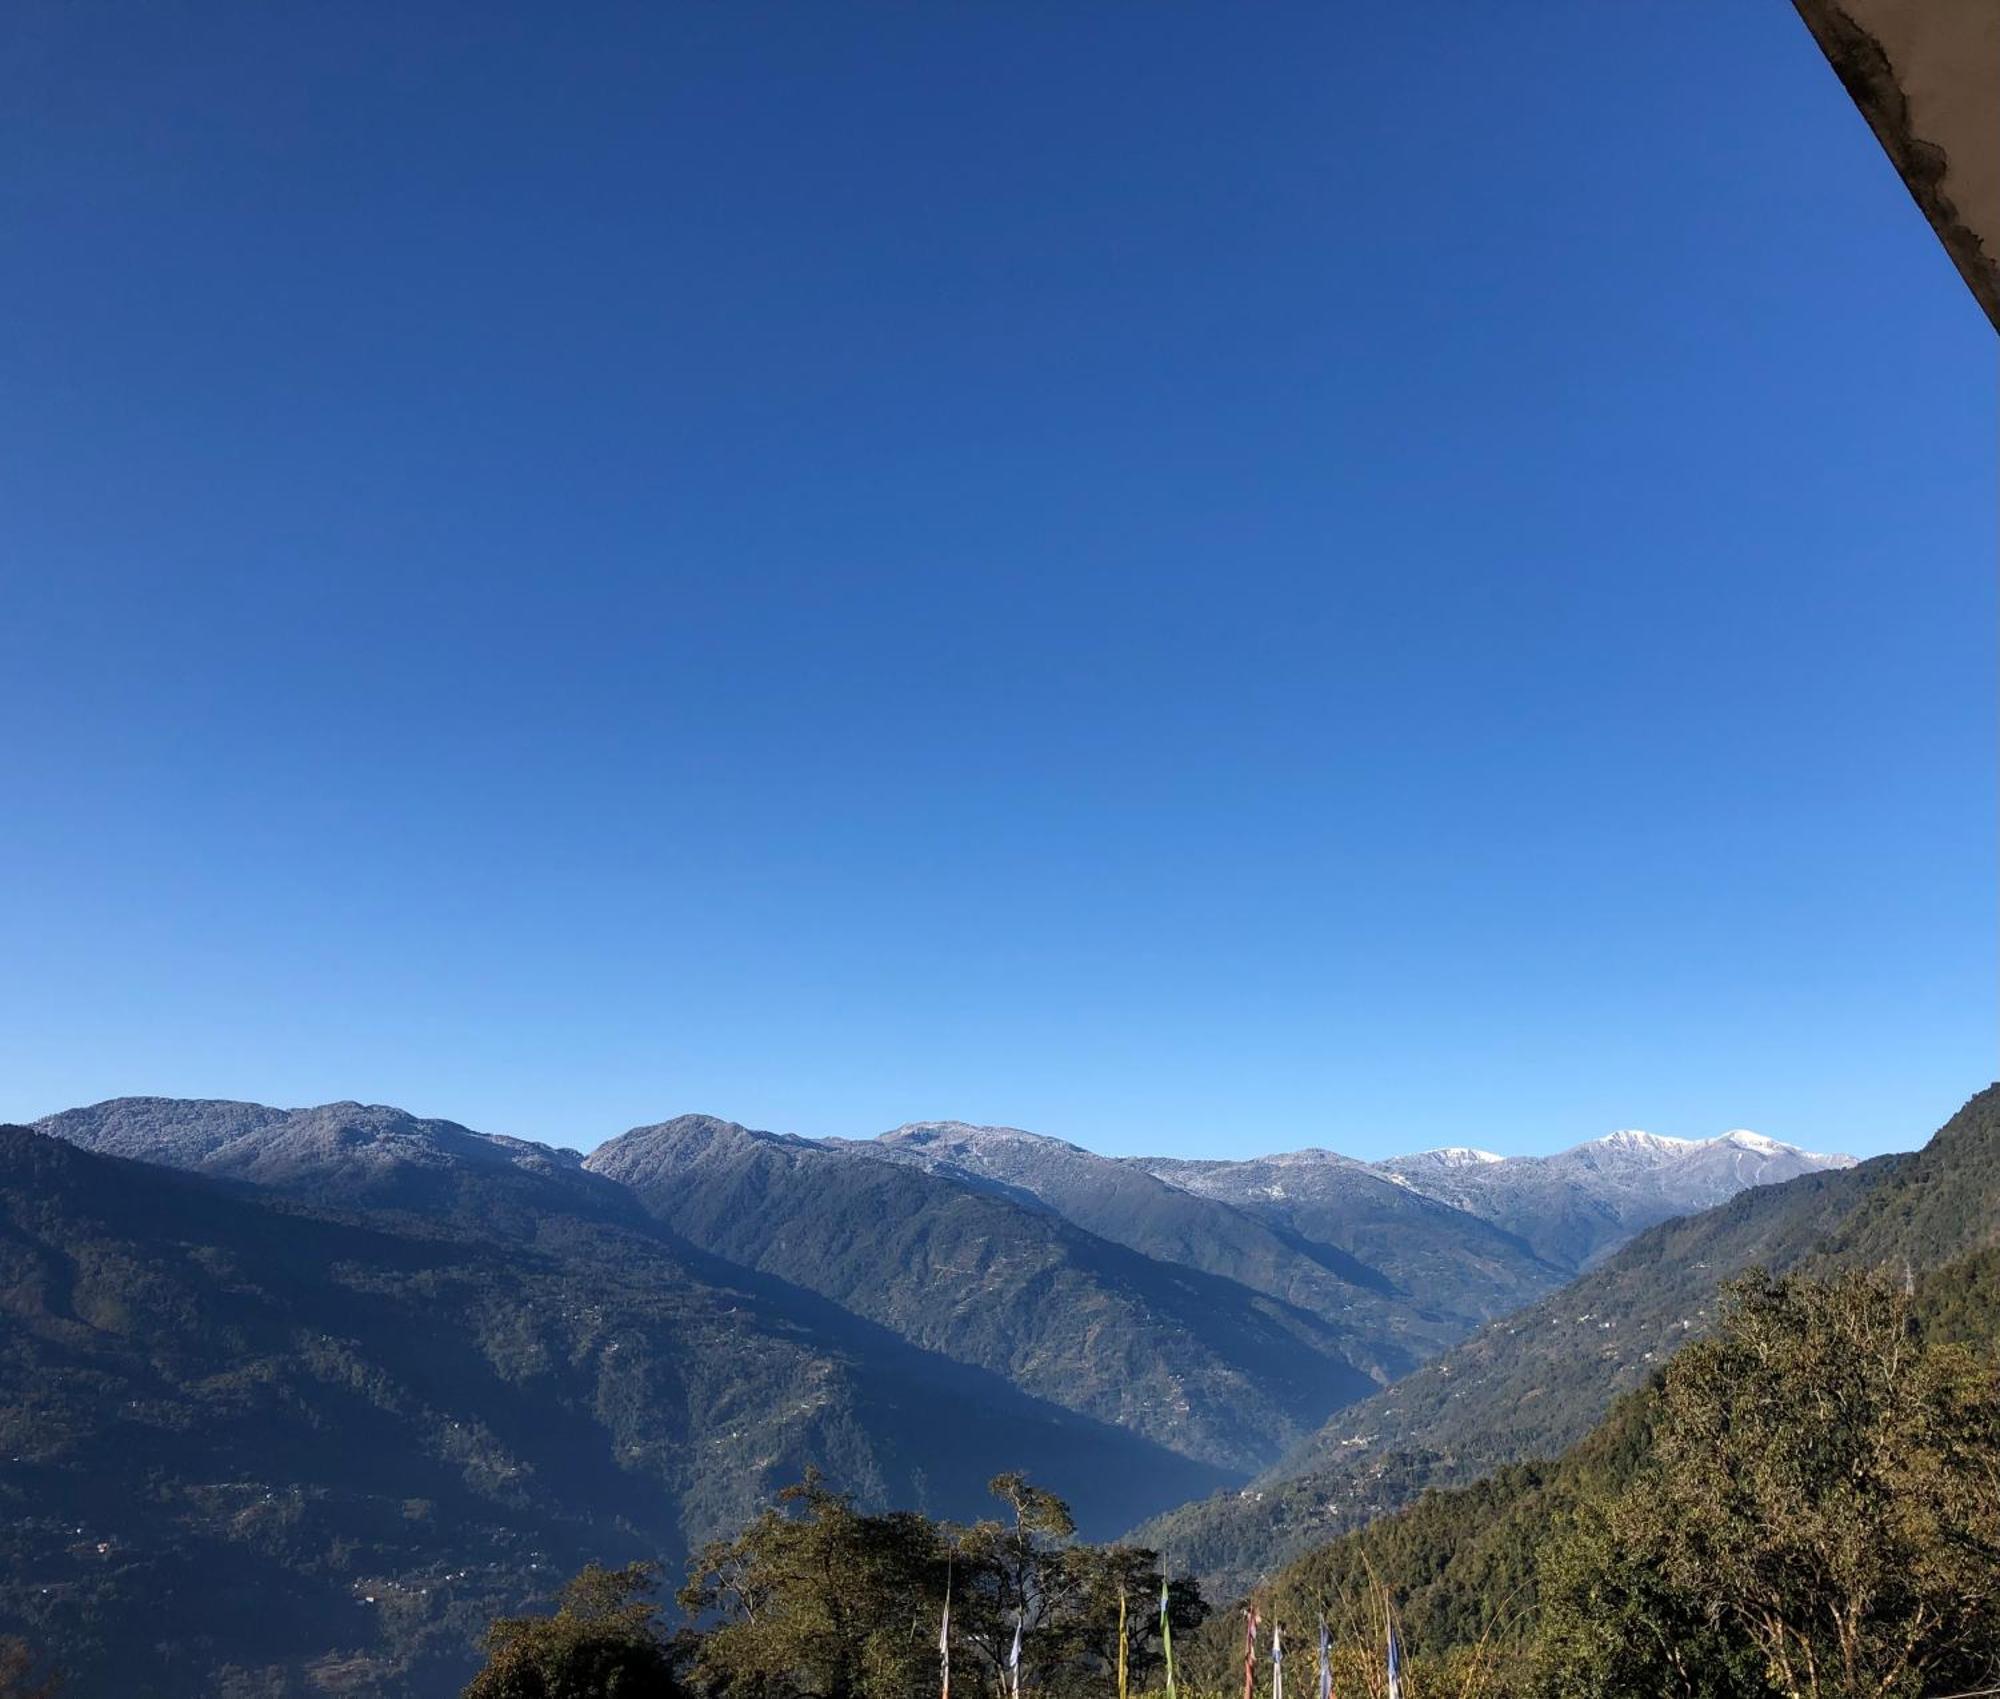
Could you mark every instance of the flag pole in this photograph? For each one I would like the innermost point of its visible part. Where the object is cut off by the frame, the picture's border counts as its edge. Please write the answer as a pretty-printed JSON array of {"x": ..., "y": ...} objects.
[
  {"x": 1394, "y": 1650},
  {"x": 1121, "y": 1640},
  {"x": 1166, "y": 1638},
  {"x": 944, "y": 1638}
]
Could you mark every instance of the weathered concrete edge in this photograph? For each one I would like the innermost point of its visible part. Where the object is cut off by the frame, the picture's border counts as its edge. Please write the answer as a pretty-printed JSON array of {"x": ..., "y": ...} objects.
[{"x": 1869, "y": 76}]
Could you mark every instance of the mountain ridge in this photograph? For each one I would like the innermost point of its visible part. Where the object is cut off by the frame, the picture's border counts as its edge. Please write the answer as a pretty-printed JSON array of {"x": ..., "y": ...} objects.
[
  {"x": 154, "y": 1128},
  {"x": 352, "y": 1309},
  {"x": 1223, "y": 1327},
  {"x": 1124, "y": 1202},
  {"x": 1533, "y": 1383},
  {"x": 1201, "y": 1364},
  {"x": 261, "y": 1434}
]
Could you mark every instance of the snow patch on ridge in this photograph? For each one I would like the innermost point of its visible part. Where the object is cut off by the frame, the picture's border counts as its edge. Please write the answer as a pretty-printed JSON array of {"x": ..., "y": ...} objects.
[{"x": 1630, "y": 1138}]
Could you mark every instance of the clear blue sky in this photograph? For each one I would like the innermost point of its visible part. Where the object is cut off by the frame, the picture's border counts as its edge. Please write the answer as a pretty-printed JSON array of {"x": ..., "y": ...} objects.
[{"x": 1201, "y": 578}]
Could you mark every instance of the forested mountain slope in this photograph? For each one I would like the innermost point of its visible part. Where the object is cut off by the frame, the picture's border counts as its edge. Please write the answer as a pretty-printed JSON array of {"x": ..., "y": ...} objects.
[
  {"x": 1462, "y": 1563},
  {"x": 1209, "y": 1368},
  {"x": 263, "y": 1435}
]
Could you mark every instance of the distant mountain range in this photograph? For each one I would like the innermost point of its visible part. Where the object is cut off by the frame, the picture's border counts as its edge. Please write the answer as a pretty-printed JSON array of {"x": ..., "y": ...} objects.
[
  {"x": 1535, "y": 1382},
  {"x": 353, "y": 1380},
  {"x": 1569, "y": 1209},
  {"x": 1578, "y": 1206}
]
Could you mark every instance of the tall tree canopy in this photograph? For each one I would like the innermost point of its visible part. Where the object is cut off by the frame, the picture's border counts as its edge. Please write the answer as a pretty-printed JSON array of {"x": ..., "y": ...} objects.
[
  {"x": 819, "y": 1600},
  {"x": 1819, "y": 1518},
  {"x": 603, "y": 1642}
]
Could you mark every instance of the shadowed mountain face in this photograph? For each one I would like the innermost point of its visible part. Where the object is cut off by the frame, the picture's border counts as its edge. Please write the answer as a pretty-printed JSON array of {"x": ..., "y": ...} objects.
[
  {"x": 245, "y": 1431},
  {"x": 1212, "y": 1369},
  {"x": 1431, "y": 1273},
  {"x": 1220, "y": 1311},
  {"x": 357, "y": 1380},
  {"x": 1205, "y": 1305},
  {"x": 1533, "y": 1383}
]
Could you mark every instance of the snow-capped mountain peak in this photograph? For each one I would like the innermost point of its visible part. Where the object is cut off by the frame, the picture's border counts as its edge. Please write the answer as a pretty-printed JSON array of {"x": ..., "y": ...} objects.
[
  {"x": 1631, "y": 1138},
  {"x": 1577, "y": 1204}
]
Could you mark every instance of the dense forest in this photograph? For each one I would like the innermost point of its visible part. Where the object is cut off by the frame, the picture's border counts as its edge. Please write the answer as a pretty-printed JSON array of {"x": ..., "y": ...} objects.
[{"x": 1807, "y": 1502}]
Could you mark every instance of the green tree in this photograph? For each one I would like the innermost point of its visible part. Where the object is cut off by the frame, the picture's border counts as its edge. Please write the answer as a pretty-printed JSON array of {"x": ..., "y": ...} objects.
[
  {"x": 1065, "y": 1594},
  {"x": 1007, "y": 1569},
  {"x": 603, "y": 1642},
  {"x": 1820, "y": 1518},
  {"x": 1611, "y": 1628},
  {"x": 818, "y": 1600}
]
